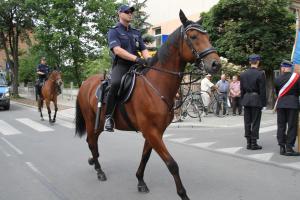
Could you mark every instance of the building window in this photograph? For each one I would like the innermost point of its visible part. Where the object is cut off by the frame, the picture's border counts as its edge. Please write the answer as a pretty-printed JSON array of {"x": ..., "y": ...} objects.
[{"x": 157, "y": 36}]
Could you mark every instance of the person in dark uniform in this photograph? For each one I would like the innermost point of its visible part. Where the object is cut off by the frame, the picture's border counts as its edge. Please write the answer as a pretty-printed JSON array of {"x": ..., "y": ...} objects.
[
  {"x": 125, "y": 42},
  {"x": 253, "y": 95},
  {"x": 287, "y": 110},
  {"x": 42, "y": 71}
]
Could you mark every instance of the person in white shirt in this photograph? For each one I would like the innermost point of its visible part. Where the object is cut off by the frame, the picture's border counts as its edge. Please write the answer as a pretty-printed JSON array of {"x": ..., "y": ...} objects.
[{"x": 206, "y": 86}]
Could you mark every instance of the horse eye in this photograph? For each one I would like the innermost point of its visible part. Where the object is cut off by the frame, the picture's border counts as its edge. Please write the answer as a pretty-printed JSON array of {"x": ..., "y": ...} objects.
[{"x": 194, "y": 37}]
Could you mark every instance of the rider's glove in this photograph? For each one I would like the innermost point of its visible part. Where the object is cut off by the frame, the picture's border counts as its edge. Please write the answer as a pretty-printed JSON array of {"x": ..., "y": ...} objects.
[{"x": 141, "y": 61}]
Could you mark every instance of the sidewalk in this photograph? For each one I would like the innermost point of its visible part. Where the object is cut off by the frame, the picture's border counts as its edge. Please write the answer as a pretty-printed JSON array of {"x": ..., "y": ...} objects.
[{"x": 210, "y": 121}]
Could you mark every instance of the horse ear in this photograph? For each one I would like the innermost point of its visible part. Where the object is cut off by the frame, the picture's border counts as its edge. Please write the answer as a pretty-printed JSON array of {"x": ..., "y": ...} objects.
[{"x": 183, "y": 18}]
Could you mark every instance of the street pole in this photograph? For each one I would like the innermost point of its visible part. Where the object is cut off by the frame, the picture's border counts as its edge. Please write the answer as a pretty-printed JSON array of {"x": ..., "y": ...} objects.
[{"x": 297, "y": 68}]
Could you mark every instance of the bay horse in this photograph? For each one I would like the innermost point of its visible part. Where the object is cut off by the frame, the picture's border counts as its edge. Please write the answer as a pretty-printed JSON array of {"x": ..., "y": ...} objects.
[
  {"x": 49, "y": 92},
  {"x": 150, "y": 106}
]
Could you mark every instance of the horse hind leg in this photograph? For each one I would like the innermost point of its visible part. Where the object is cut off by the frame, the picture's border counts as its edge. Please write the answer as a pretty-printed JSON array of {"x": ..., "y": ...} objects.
[
  {"x": 155, "y": 139},
  {"x": 142, "y": 187},
  {"x": 40, "y": 106},
  {"x": 92, "y": 140}
]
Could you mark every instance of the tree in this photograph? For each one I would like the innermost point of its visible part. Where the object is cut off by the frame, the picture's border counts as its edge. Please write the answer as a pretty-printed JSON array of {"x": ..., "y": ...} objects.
[
  {"x": 70, "y": 32},
  {"x": 242, "y": 27},
  {"x": 139, "y": 20},
  {"x": 15, "y": 24}
]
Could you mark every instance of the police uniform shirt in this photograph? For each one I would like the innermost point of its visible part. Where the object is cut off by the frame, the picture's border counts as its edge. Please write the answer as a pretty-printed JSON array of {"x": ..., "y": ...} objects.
[
  {"x": 290, "y": 99},
  {"x": 129, "y": 39},
  {"x": 43, "y": 68}
]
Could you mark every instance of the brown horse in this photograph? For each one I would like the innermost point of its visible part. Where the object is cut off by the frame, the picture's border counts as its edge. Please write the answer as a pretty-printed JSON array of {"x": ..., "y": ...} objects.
[
  {"x": 150, "y": 107},
  {"x": 49, "y": 93}
]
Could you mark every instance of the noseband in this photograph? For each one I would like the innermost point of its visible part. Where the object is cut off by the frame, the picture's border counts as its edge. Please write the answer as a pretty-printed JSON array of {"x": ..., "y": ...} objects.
[{"x": 199, "y": 55}]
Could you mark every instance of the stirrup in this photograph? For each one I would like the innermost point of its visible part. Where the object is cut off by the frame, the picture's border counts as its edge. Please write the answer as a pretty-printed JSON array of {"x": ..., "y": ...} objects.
[{"x": 109, "y": 124}]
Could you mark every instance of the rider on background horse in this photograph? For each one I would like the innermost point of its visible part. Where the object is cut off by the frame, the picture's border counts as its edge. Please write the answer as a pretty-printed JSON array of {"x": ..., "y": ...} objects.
[
  {"x": 42, "y": 71},
  {"x": 124, "y": 42}
]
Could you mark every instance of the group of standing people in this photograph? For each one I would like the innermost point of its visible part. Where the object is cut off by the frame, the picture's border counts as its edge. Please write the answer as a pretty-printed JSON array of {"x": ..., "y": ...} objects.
[
  {"x": 226, "y": 91},
  {"x": 253, "y": 98}
]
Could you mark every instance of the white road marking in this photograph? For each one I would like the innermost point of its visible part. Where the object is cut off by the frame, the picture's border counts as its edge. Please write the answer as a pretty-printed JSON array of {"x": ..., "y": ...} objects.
[
  {"x": 65, "y": 124},
  {"x": 168, "y": 135},
  {"x": 34, "y": 169},
  {"x": 7, "y": 129},
  {"x": 180, "y": 140},
  {"x": 268, "y": 129},
  {"x": 12, "y": 146},
  {"x": 203, "y": 144},
  {"x": 34, "y": 125},
  {"x": 262, "y": 156},
  {"x": 295, "y": 165},
  {"x": 231, "y": 150}
]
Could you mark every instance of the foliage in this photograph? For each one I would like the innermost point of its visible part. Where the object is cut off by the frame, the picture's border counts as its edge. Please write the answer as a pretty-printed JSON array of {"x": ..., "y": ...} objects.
[
  {"x": 16, "y": 22},
  {"x": 140, "y": 18},
  {"x": 231, "y": 69},
  {"x": 242, "y": 27},
  {"x": 72, "y": 31},
  {"x": 103, "y": 63}
]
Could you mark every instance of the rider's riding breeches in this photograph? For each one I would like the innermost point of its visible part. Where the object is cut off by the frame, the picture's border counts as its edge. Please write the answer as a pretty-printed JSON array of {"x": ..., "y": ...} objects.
[{"x": 116, "y": 76}]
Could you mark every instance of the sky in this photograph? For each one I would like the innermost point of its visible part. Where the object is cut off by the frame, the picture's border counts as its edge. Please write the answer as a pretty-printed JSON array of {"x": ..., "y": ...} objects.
[{"x": 165, "y": 10}]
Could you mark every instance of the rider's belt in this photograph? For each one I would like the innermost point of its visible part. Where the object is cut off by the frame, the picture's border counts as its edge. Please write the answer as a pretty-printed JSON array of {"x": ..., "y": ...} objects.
[
  {"x": 223, "y": 92},
  {"x": 252, "y": 93}
]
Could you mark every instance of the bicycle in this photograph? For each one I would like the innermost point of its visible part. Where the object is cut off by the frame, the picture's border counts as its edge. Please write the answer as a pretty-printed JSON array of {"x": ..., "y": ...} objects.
[{"x": 193, "y": 106}]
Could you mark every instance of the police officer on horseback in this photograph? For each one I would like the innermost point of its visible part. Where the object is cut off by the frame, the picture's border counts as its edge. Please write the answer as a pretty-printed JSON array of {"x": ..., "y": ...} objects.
[
  {"x": 124, "y": 42},
  {"x": 42, "y": 71}
]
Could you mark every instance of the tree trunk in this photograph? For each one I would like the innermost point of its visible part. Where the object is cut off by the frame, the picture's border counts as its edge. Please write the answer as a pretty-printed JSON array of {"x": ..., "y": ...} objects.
[
  {"x": 270, "y": 89},
  {"x": 15, "y": 68}
]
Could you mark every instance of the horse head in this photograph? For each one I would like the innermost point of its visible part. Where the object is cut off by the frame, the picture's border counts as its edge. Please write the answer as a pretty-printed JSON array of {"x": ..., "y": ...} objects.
[
  {"x": 55, "y": 76},
  {"x": 196, "y": 46}
]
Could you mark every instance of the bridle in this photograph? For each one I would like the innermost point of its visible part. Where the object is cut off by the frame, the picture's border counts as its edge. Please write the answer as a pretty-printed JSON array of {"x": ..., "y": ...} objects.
[{"x": 199, "y": 55}]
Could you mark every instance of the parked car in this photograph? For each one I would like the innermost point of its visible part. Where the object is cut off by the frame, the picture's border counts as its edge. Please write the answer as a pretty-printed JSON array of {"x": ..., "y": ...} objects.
[{"x": 4, "y": 93}]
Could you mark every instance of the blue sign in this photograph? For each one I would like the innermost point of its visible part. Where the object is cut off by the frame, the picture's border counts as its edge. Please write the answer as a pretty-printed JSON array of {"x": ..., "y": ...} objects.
[
  {"x": 164, "y": 38},
  {"x": 296, "y": 53}
]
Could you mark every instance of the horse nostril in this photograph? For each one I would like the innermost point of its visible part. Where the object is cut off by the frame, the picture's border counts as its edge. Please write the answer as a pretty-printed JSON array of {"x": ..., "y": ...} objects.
[{"x": 216, "y": 65}]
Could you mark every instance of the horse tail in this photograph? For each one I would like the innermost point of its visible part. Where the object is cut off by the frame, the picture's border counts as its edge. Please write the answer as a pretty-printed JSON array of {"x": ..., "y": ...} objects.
[{"x": 79, "y": 121}]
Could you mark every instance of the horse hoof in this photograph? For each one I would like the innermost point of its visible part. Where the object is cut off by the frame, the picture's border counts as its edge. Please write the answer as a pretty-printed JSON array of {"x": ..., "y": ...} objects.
[
  {"x": 53, "y": 121},
  {"x": 101, "y": 176},
  {"x": 143, "y": 188},
  {"x": 42, "y": 119},
  {"x": 91, "y": 161}
]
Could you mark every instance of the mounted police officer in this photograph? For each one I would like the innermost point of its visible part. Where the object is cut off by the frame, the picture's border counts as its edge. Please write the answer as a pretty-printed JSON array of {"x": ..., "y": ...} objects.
[
  {"x": 287, "y": 86},
  {"x": 253, "y": 95},
  {"x": 124, "y": 42},
  {"x": 42, "y": 71}
]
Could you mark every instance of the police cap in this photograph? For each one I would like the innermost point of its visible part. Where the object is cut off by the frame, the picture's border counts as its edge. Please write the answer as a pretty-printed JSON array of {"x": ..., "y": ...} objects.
[
  {"x": 254, "y": 57},
  {"x": 286, "y": 63},
  {"x": 124, "y": 8}
]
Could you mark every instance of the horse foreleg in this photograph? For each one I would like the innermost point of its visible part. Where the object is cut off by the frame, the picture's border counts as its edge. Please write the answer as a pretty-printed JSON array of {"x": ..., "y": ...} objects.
[
  {"x": 92, "y": 140},
  {"x": 49, "y": 110},
  {"x": 142, "y": 187},
  {"x": 55, "y": 110},
  {"x": 155, "y": 139}
]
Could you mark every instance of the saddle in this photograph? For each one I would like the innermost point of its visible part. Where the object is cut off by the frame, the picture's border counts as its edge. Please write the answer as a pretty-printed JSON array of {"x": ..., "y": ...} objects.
[
  {"x": 125, "y": 90},
  {"x": 124, "y": 94}
]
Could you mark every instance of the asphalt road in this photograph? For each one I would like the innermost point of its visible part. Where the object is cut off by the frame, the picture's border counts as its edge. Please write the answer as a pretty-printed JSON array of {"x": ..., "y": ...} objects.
[{"x": 41, "y": 161}]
